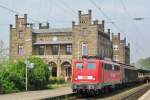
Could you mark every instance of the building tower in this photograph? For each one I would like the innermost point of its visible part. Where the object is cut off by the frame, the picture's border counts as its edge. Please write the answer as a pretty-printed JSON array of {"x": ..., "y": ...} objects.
[
  {"x": 89, "y": 38},
  {"x": 121, "y": 51},
  {"x": 20, "y": 38}
]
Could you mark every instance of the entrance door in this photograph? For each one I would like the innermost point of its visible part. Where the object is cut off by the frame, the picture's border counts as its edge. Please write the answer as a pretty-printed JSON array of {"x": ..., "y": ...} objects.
[
  {"x": 66, "y": 70},
  {"x": 53, "y": 69}
]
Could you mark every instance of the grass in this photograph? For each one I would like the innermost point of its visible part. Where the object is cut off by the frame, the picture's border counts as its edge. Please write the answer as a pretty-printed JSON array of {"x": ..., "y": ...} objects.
[
  {"x": 57, "y": 82},
  {"x": 57, "y": 85}
]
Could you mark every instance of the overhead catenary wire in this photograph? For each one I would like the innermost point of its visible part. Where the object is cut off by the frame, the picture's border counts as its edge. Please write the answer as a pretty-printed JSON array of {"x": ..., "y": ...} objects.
[
  {"x": 15, "y": 12},
  {"x": 105, "y": 15},
  {"x": 130, "y": 16},
  {"x": 67, "y": 6},
  {"x": 114, "y": 24}
]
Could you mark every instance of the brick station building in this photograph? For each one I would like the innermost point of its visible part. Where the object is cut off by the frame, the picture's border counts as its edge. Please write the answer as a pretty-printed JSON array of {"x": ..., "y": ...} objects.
[
  {"x": 121, "y": 50},
  {"x": 58, "y": 46}
]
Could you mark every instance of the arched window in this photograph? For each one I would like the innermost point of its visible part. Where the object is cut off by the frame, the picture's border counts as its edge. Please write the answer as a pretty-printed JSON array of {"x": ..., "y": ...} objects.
[{"x": 53, "y": 69}]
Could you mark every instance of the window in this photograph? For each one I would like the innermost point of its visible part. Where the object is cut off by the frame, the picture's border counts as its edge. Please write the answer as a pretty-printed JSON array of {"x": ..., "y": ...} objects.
[
  {"x": 54, "y": 71},
  {"x": 68, "y": 71},
  {"x": 84, "y": 32},
  {"x": 107, "y": 66},
  {"x": 91, "y": 65},
  {"x": 41, "y": 50},
  {"x": 55, "y": 49},
  {"x": 69, "y": 49},
  {"x": 116, "y": 67},
  {"x": 20, "y": 34},
  {"x": 115, "y": 47},
  {"x": 79, "y": 65},
  {"x": 20, "y": 50},
  {"x": 116, "y": 58},
  {"x": 84, "y": 49},
  {"x": 20, "y": 24}
]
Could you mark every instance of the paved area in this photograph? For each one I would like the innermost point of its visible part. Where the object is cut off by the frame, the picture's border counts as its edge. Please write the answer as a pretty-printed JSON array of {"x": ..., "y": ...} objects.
[
  {"x": 146, "y": 96},
  {"x": 36, "y": 95}
]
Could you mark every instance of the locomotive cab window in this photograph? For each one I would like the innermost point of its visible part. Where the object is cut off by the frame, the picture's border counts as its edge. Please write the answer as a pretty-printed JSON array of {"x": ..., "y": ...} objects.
[
  {"x": 116, "y": 68},
  {"x": 91, "y": 65},
  {"x": 107, "y": 66},
  {"x": 79, "y": 65}
]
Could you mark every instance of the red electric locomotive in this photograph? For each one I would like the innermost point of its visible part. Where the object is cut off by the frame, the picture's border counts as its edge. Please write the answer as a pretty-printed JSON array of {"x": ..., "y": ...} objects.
[{"x": 95, "y": 75}]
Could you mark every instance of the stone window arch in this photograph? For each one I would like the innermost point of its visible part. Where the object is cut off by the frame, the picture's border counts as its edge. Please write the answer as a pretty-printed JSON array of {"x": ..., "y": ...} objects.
[
  {"x": 66, "y": 69},
  {"x": 53, "y": 69}
]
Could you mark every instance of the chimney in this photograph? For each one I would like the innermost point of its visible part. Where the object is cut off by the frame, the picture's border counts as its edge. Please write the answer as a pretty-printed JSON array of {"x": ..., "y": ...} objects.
[
  {"x": 125, "y": 40},
  {"x": 25, "y": 16},
  {"x": 73, "y": 23},
  {"x": 16, "y": 16},
  {"x": 95, "y": 22},
  {"x": 128, "y": 45},
  {"x": 119, "y": 36},
  {"x": 47, "y": 25},
  {"x": 103, "y": 23},
  {"x": 109, "y": 32},
  {"x": 112, "y": 35},
  {"x": 31, "y": 25},
  {"x": 11, "y": 26},
  {"x": 40, "y": 25},
  {"x": 90, "y": 12},
  {"x": 79, "y": 13}
]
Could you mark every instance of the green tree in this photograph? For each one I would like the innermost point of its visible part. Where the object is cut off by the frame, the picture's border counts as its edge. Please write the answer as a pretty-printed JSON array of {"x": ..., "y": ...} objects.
[
  {"x": 12, "y": 75},
  {"x": 144, "y": 63},
  {"x": 39, "y": 75}
]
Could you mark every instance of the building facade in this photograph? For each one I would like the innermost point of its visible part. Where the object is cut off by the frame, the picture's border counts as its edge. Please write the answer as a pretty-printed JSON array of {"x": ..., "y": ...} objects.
[
  {"x": 89, "y": 38},
  {"x": 121, "y": 51},
  {"x": 58, "y": 46}
]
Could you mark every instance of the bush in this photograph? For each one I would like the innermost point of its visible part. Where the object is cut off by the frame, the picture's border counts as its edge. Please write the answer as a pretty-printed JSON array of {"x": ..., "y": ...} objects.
[
  {"x": 56, "y": 80},
  {"x": 39, "y": 76},
  {"x": 13, "y": 75},
  {"x": 7, "y": 84}
]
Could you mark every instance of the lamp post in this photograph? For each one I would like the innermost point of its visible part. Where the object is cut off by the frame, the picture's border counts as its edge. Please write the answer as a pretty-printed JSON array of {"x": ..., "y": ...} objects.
[
  {"x": 78, "y": 49},
  {"x": 28, "y": 65},
  {"x": 50, "y": 69}
]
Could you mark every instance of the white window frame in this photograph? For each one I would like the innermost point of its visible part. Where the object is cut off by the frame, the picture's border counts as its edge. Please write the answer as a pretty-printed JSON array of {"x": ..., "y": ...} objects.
[
  {"x": 86, "y": 46},
  {"x": 20, "y": 50}
]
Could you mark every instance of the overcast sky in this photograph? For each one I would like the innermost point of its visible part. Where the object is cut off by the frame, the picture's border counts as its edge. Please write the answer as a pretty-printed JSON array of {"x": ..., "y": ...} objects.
[{"x": 60, "y": 13}]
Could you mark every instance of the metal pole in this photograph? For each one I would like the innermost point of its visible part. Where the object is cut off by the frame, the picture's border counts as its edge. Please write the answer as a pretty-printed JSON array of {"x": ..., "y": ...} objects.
[
  {"x": 26, "y": 78},
  {"x": 78, "y": 48}
]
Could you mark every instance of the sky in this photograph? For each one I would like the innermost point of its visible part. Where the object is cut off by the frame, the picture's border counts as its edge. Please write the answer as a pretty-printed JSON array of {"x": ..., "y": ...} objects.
[{"x": 118, "y": 15}]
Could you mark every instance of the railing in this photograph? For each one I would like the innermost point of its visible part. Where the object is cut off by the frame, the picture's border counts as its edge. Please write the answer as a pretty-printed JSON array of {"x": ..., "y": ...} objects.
[{"x": 54, "y": 56}]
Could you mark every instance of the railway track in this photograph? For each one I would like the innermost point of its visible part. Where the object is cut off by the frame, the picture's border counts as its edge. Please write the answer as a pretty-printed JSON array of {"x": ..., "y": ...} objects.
[
  {"x": 132, "y": 93},
  {"x": 137, "y": 94}
]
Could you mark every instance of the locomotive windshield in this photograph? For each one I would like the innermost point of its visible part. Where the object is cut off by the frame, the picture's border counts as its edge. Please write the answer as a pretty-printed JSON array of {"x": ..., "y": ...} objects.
[
  {"x": 79, "y": 65},
  {"x": 91, "y": 65}
]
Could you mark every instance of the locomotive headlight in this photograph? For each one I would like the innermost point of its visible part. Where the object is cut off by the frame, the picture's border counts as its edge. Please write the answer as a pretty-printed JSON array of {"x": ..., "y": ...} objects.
[
  {"x": 76, "y": 79},
  {"x": 93, "y": 77}
]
